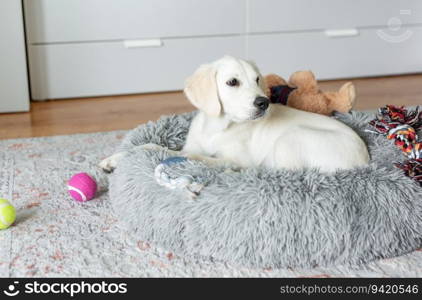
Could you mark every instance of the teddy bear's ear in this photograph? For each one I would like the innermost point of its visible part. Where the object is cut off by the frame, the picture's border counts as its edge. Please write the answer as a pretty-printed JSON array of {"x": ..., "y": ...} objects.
[
  {"x": 303, "y": 79},
  {"x": 272, "y": 80}
]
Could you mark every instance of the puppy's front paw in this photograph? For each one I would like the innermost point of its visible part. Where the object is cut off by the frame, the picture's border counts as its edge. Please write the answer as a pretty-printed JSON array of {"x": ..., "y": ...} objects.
[
  {"x": 107, "y": 165},
  {"x": 110, "y": 163}
]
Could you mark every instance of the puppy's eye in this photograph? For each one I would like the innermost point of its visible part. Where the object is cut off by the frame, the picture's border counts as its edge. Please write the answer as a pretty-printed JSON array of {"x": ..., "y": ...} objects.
[
  {"x": 257, "y": 80},
  {"x": 232, "y": 82}
]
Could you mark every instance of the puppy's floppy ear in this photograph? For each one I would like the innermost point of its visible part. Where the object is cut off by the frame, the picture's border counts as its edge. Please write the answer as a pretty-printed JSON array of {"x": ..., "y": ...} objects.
[{"x": 201, "y": 90}]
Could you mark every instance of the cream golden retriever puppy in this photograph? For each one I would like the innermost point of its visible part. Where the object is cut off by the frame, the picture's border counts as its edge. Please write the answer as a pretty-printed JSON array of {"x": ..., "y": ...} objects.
[{"x": 236, "y": 124}]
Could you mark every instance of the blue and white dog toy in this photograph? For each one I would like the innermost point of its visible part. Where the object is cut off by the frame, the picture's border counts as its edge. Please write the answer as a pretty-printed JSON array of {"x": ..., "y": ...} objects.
[{"x": 184, "y": 182}]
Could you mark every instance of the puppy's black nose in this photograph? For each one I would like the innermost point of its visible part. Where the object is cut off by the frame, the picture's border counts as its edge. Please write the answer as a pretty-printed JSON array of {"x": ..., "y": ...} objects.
[{"x": 261, "y": 103}]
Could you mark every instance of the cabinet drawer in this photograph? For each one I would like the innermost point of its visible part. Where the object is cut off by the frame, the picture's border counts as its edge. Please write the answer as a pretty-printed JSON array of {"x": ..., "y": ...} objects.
[
  {"x": 50, "y": 21},
  {"x": 275, "y": 15},
  {"x": 366, "y": 54},
  {"x": 91, "y": 69}
]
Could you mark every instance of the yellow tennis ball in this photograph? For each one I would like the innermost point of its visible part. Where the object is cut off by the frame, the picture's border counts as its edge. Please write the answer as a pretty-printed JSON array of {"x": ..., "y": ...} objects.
[{"x": 7, "y": 214}]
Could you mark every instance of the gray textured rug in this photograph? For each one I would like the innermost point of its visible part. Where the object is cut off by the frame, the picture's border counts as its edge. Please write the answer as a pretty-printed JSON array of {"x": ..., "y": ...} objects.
[{"x": 55, "y": 236}]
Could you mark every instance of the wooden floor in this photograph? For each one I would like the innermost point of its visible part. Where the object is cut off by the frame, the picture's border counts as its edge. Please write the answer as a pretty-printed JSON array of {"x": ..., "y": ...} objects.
[{"x": 125, "y": 112}]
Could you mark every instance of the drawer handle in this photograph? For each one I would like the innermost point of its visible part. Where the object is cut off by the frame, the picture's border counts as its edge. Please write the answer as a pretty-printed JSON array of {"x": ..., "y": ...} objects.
[
  {"x": 130, "y": 44},
  {"x": 341, "y": 32}
]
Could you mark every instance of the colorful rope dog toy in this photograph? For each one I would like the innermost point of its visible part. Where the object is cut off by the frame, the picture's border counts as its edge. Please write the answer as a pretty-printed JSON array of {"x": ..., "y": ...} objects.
[{"x": 401, "y": 125}]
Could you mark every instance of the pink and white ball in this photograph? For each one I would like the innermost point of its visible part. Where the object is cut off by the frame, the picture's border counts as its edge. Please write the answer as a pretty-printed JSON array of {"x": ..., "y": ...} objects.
[{"x": 82, "y": 187}]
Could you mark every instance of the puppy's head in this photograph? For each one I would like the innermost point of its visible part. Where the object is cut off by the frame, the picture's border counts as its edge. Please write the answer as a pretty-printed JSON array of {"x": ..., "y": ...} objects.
[{"x": 229, "y": 87}]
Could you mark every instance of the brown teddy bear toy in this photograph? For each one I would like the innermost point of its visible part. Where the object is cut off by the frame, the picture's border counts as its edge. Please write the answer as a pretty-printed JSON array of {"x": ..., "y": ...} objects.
[{"x": 302, "y": 92}]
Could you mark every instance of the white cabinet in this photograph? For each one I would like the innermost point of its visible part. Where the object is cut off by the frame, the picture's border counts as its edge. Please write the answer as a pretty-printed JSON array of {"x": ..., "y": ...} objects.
[
  {"x": 311, "y": 15},
  {"x": 81, "y": 48},
  {"x": 14, "y": 94},
  {"x": 52, "y": 21},
  {"x": 109, "y": 68},
  {"x": 336, "y": 38},
  {"x": 360, "y": 55}
]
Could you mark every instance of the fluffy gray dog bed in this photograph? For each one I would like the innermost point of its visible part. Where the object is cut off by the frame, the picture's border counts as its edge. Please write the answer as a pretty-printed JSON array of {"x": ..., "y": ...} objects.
[{"x": 264, "y": 218}]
